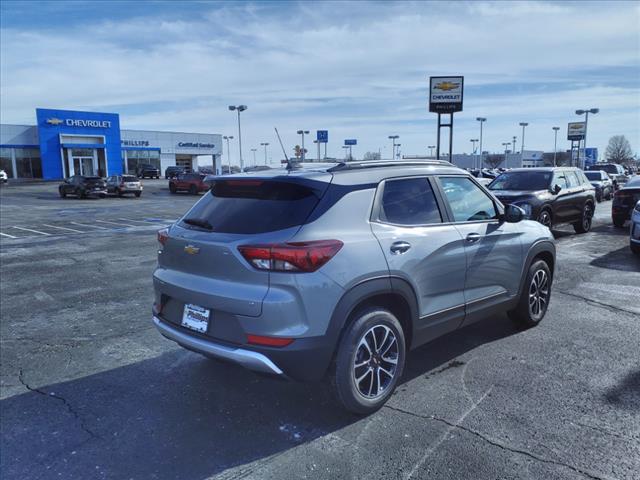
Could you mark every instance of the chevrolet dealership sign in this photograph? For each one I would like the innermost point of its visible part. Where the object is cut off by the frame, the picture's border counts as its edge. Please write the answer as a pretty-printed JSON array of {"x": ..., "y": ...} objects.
[
  {"x": 445, "y": 94},
  {"x": 72, "y": 122},
  {"x": 576, "y": 131}
]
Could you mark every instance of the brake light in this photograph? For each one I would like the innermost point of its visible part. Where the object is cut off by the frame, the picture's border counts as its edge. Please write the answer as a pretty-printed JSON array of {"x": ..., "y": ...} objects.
[
  {"x": 269, "y": 341},
  {"x": 291, "y": 257},
  {"x": 163, "y": 236}
]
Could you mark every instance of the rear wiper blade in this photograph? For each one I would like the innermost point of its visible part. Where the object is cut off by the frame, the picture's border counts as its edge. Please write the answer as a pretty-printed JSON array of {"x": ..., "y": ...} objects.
[{"x": 199, "y": 222}]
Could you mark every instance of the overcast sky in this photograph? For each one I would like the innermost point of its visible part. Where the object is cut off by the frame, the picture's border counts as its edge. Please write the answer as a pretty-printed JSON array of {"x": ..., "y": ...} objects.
[{"x": 358, "y": 69}]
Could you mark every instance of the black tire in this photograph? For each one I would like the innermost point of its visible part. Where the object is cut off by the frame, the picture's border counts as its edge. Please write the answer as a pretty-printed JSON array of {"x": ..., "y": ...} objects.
[
  {"x": 118, "y": 192},
  {"x": 618, "y": 222},
  {"x": 609, "y": 195},
  {"x": 526, "y": 314},
  {"x": 193, "y": 190},
  {"x": 353, "y": 359},
  {"x": 137, "y": 194},
  {"x": 172, "y": 188},
  {"x": 599, "y": 197},
  {"x": 545, "y": 217},
  {"x": 586, "y": 219},
  {"x": 80, "y": 193},
  {"x": 635, "y": 248},
  {"x": 62, "y": 193}
]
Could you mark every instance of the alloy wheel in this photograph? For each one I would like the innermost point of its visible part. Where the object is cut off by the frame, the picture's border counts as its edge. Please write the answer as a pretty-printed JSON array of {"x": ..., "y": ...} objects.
[
  {"x": 545, "y": 218},
  {"x": 376, "y": 361},
  {"x": 587, "y": 215},
  {"x": 538, "y": 294}
]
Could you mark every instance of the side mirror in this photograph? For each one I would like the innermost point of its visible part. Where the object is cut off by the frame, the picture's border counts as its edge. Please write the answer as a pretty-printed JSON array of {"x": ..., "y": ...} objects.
[
  {"x": 556, "y": 189},
  {"x": 513, "y": 214}
]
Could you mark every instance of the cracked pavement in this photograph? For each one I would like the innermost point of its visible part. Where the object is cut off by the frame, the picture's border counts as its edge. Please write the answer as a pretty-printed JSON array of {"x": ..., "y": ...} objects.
[{"x": 90, "y": 390}]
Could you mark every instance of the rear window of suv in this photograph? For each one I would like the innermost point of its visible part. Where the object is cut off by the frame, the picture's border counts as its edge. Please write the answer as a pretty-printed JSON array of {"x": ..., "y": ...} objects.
[
  {"x": 253, "y": 206},
  {"x": 129, "y": 178}
]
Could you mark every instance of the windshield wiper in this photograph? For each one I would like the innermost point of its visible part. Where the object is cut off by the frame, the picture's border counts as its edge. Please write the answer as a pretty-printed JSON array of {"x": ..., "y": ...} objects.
[{"x": 199, "y": 222}]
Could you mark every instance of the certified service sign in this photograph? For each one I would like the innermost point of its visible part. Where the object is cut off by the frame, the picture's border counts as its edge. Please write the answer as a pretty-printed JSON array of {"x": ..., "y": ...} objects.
[{"x": 445, "y": 94}]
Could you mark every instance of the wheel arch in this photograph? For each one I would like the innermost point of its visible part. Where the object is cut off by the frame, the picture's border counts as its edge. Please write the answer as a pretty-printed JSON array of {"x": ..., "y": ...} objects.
[
  {"x": 541, "y": 250},
  {"x": 394, "y": 294}
]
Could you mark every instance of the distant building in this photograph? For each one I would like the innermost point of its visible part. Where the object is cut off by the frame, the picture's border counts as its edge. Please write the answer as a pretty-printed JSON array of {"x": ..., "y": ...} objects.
[
  {"x": 65, "y": 143},
  {"x": 530, "y": 158}
]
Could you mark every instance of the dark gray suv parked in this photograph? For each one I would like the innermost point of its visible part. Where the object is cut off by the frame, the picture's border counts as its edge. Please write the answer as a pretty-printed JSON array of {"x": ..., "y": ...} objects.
[{"x": 337, "y": 271}]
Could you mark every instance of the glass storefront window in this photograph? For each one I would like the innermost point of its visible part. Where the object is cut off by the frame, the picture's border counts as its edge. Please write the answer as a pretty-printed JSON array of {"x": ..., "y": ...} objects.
[
  {"x": 5, "y": 161},
  {"x": 139, "y": 157},
  {"x": 28, "y": 163}
]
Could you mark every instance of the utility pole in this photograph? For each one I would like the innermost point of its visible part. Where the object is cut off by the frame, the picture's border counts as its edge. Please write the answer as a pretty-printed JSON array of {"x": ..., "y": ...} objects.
[{"x": 481, "y": 120}]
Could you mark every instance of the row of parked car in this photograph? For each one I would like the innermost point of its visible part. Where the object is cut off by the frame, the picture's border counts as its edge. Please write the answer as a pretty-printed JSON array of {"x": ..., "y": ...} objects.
[{"x": 82, "y": 186}]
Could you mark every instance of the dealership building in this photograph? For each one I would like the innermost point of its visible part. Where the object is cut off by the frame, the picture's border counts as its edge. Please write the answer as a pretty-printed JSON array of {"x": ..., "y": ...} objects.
[{"x": 65, "y": 143}]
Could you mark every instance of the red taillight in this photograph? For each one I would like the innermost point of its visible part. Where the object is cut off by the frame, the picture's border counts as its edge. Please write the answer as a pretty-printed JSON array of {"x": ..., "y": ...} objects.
[
  {"x": 163, "y": 236},
  {"x": 269, "y": 341},
  {"x": 291, "y": 257}
]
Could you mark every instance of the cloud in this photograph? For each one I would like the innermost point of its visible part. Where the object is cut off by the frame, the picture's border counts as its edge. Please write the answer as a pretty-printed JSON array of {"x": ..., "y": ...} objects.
[{"x": 358, "y": 69}]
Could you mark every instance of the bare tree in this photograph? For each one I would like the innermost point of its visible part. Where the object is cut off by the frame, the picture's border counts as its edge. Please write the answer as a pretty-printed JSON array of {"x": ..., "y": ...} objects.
[
  {"x": 493, "y": 161},
  {"x": 371, "y": 156},
  {"x": 619, "y": 150}
]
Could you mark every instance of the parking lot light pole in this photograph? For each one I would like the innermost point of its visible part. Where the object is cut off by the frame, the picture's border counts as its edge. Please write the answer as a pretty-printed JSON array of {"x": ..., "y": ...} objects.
[
  {"x": 254, "y": 150},
  {"x": 506, "y": 149},
  {"x": 555, "y": 145},
  {"x": 265, "y": 145},
  {"x": 393, "y": 139},
  {"x": 227, "y": 138},
  {"x": 515, "y": 139},
  {"x": 431, "y": 147},
  {"x": 303, "y": 133},
  {"x": 481, "y": 120},
  {"x": 239, "y": 108},
  {"x": 317, "y": 145},
  {"x": 345, "y": 151},
  {"x": 586, "y": 113},
  {"x": 523, "y": 125},
  {"x": 473, "y": 142}
]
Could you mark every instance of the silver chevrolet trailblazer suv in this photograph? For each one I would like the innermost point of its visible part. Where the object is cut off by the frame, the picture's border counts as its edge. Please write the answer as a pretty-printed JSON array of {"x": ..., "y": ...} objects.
[{"x": 337, "y": 271}]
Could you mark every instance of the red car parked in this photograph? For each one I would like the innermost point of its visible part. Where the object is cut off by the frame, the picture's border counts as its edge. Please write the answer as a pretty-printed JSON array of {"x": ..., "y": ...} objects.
[{"x": 189, "y": 182}]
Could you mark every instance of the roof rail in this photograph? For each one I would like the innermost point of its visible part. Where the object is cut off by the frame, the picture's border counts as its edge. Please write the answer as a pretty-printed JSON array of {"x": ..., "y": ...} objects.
[{"x": 386, "y": 163}]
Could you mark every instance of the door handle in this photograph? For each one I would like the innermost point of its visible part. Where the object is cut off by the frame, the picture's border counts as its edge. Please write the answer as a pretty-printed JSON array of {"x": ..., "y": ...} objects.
[
  {"x": 399, "y": 248},
  {"x": 473, "y": 237}
]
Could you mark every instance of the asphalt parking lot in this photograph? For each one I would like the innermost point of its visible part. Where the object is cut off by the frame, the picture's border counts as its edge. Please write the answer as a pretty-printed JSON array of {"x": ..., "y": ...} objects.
[{"x": 89, "y": 389}]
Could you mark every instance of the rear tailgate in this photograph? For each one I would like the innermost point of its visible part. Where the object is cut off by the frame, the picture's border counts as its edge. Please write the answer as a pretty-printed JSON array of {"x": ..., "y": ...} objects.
[{"x": 200, "y": 263}]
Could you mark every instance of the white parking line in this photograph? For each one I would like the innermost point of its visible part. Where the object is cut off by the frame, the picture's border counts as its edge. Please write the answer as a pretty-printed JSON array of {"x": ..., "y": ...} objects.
[
  {"x": 132, "y": 220},
  {"x": 64, "y": 228},
  {"x": 30, "y": 230},
  {"x": 114, "y": 223},
  {"x": 85, "y": 225},
  {"x": 7, "y": 235}
]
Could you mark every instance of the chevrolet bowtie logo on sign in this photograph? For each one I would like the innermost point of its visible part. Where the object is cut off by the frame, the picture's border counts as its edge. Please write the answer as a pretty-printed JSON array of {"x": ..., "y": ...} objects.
[
  {"x": 54, "y": 121},
  {"x": 445, "y": 94},
  {"x": 191, "y": 250},
  {"x": 446, "y": 86}
]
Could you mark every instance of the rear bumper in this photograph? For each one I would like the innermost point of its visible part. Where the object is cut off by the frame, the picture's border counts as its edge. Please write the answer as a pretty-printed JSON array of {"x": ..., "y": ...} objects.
[
  {"x": 305, "y": 360},
  {"x": 246, "y": 358}
]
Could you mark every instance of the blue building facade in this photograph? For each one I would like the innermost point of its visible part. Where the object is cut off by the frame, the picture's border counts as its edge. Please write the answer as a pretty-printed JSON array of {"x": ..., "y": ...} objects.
[{"x": 83, "y": 143}]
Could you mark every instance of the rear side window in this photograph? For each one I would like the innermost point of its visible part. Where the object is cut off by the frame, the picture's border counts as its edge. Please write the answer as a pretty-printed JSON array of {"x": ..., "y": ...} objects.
[
  {"x": 254, "y": 206},
  {"x": 409, "y": 201},
  {"x": 572, "y": 179},
  {"x": 467, "y": 201}
]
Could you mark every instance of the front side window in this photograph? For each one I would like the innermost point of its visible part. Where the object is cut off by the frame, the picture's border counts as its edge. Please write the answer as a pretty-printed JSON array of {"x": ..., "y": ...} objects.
[
  {"x": 467, "y": 201},
  {"x": 560, "y": 179},
  {"x": 409, "y": 201}
]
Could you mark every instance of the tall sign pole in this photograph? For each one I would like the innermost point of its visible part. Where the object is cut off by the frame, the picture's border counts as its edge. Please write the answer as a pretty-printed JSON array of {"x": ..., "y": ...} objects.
[{"x": 445, "y": 97}]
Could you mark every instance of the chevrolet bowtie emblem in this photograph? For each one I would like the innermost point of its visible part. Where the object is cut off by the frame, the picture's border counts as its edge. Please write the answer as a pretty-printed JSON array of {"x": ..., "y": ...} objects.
[
  {"x": 446, "y": 86},
  {"x": 54, "y": 121},
  {"x": 191, "y": 250}
]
